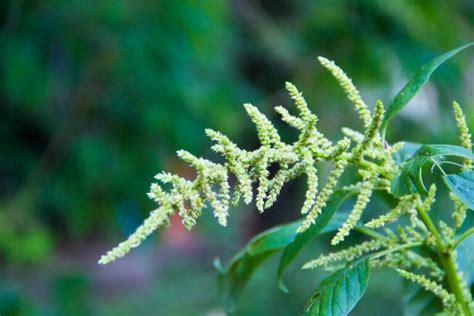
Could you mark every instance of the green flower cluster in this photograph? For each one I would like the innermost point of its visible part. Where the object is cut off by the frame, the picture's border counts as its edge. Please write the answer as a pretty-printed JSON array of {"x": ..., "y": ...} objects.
[{"x": 211, "y": 185}]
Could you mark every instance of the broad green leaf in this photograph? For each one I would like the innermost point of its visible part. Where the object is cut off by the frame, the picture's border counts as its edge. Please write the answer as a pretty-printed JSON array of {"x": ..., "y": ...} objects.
[
  {"x": 462, "y": 185},
  {"x": 320, "y": 226},
  {"x": 416, "y": 82},
  {"x": 339, "y": 293},
  {"x": 410, "y": 180},
  {"x": 233, "y": 278}
]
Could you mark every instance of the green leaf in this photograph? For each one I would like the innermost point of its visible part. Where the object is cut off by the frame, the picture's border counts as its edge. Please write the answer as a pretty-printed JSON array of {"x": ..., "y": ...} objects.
[
  {"x": 440, "y": 150},
  {"x": 236, "y": 275},
  {"x": 322, "y": 225},
  {"x": 410, "y": 179},
  {"x": 339, "y": 293},
  {"x": 233, "y": 278},
  {"x": 416, "y": 82},
  {"x": 462, "y": 185},
  {"x": 407, "y": 182}
]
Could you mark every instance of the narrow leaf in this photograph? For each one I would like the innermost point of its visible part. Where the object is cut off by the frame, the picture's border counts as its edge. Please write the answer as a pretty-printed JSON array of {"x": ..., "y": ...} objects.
[
  {"x": 301, "y": 240},
  {"x": 234, "y": 277},
  {"x": 462, "y": 185},
  {"x": 416, "y": 83},
  {"x": 339, "y": 293}
]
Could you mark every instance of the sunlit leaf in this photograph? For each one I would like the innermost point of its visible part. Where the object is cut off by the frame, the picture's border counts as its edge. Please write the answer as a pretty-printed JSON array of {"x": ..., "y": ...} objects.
[{"x": 339, "y": 293}]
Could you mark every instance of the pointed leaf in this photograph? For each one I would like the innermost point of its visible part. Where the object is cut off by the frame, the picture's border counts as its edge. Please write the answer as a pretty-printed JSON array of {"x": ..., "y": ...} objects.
[
  {"x": 462, "y": 185},
  {"x": 416, "y": 83},
  {"x": 437, "y": 150},
  {"x": 233, "y": 278},
  {"x": 339, "y": 293},
  {"x": 320, "y": 226}
]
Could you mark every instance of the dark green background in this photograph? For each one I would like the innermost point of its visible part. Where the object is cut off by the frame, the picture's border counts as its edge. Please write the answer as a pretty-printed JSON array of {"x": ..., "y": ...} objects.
[{"x": 96, "y": 96}]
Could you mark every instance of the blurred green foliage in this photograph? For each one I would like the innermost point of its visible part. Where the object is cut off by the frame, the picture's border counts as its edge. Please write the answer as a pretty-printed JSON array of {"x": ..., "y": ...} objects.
[
  {"x": 121, "y": 84},
  {"x": 96, "y": 96}
]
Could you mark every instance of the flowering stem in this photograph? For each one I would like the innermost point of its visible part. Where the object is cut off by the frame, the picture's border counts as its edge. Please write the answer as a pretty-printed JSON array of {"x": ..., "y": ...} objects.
[
  {"x": 445, "y": 254},
  {"x": 369, "y": 232}
]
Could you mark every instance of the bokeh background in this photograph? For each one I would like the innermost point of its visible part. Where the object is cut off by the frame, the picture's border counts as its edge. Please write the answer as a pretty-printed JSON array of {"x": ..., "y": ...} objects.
[{"x": 96, "y": 97}]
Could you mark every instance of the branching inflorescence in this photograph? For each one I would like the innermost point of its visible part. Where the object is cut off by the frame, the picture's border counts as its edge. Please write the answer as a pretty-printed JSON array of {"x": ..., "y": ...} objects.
[
  {"x": 211, "y": 185},
  {"x": 376, "y": 167}
]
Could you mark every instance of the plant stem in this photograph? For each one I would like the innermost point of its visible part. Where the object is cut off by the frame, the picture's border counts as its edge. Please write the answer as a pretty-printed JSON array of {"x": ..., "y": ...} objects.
[
  {"x": 369, "y": 165},
  {"x": 446, "y": 258},
  {"x": 455, "y": 283},
  {"x": 463, "y": 236},
  {"x": 369, "y": 232},
  {"x": 395, "y": 249}
]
